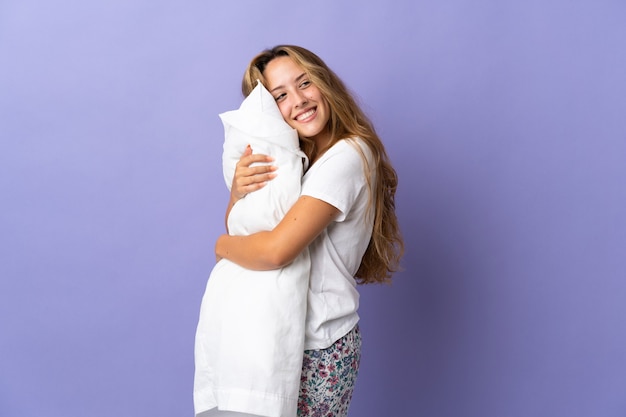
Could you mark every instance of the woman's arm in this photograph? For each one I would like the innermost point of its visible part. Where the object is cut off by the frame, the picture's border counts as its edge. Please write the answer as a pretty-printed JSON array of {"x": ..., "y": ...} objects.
[{"x": 306, "y": 219}]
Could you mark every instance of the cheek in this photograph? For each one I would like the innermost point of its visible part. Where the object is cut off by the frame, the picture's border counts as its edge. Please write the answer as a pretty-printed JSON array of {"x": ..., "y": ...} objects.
[{"x": 326, "y": 110}]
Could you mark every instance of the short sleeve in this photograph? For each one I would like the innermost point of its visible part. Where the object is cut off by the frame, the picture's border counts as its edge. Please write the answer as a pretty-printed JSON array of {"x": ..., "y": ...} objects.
[{"x": 338, "y": 177}]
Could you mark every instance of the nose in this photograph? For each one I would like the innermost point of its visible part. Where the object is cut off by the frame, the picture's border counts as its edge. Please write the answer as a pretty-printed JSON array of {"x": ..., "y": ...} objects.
[{"x": 301, "y": 99}]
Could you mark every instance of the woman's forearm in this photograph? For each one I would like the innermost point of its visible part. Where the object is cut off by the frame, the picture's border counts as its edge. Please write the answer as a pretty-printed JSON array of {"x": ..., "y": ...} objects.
[
  {"x": 256, "y": 251},
  {"x": 261, "y": 251}
]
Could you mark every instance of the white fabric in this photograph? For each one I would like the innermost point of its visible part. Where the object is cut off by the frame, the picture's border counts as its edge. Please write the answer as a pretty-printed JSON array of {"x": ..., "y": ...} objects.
[
  {"x": 339, "y": 179},
  {"x": 250, "y": 335}
]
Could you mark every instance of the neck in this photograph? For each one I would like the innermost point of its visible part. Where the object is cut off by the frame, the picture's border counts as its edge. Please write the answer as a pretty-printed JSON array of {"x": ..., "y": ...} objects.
[{"x": 322, "y": 139}]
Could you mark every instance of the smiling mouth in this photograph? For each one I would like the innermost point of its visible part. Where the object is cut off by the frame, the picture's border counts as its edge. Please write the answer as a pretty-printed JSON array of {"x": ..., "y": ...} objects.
[{"x": 306, "y": 115}]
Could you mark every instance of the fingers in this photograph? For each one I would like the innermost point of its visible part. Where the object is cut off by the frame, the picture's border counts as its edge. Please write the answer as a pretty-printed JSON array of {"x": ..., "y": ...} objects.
[
  {"x": 248, "y": 159},
  {"x": 247, "y": 179},
  {"x": 256, "y": 170},
  {"x": 250, "y": 178},
  {"x": 239, "y": 190},
  {"x": 242, "y": 190}
]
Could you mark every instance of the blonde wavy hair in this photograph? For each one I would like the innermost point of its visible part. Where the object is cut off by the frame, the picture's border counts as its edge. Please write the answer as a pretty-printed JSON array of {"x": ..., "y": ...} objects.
[{"x": 347, "y": 120}]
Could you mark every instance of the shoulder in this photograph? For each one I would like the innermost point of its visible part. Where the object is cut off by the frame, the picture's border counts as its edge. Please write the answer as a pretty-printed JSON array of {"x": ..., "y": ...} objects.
[
  {"x": 349, "y": 145},
  {"x": 348, "y": 152},
  {"x": 343, "y": 170},
  {"x": 340, "y": 176}
]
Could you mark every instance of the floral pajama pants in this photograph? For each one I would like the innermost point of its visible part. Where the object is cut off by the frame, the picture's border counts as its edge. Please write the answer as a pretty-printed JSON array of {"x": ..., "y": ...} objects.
[{"x": 328, "y": 377}]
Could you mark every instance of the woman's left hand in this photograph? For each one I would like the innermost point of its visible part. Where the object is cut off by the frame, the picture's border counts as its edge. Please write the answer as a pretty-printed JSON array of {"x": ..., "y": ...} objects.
[{"x": 249, "y": 178}]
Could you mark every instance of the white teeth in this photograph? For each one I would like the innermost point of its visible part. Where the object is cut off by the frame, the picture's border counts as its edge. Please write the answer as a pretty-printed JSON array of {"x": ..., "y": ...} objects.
[{"x": 305, "y": 115}]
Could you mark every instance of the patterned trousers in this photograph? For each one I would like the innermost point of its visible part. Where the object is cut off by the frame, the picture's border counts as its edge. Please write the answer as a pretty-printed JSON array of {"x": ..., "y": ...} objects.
[{"x": 328, "y": 377}]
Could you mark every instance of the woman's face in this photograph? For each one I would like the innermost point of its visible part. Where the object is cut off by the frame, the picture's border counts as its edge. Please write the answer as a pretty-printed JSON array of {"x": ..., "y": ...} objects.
[{"x": 300, "y": 102}]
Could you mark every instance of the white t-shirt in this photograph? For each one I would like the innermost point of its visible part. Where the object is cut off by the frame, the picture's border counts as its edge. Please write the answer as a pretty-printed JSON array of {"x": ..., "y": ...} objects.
[{"x": 338, "y": 178}]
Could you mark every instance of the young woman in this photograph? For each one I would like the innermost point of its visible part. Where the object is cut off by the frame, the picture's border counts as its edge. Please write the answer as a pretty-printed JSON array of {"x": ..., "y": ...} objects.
[{"x": 345, "y": 215}]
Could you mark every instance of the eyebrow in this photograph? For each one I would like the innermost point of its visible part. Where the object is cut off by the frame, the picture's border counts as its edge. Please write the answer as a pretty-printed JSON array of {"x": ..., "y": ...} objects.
[{"x": 298, "y": 78}]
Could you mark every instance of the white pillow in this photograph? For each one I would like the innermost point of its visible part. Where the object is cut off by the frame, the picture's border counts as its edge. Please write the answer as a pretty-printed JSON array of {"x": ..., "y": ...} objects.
[{"x": 259, "y": 123}]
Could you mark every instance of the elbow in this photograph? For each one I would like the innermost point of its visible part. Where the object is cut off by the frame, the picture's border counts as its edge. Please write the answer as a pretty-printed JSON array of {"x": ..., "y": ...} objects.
[{"x": 276, "y": 258}]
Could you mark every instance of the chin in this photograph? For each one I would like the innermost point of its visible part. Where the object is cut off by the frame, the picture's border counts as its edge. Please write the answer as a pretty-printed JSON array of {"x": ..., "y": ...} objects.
[{"x": 310, "y": 133}]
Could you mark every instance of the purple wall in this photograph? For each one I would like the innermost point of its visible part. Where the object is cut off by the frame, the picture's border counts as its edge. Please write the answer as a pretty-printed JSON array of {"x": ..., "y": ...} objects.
[{"x": 505, "y": 121}]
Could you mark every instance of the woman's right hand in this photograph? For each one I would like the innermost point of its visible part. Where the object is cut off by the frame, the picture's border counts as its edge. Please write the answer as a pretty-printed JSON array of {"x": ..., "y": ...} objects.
[{"x": 251, "y": 178}]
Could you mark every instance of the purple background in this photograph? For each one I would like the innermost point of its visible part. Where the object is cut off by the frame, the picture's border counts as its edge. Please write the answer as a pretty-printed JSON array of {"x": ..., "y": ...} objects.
[{"x": 504, "y": 119}]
